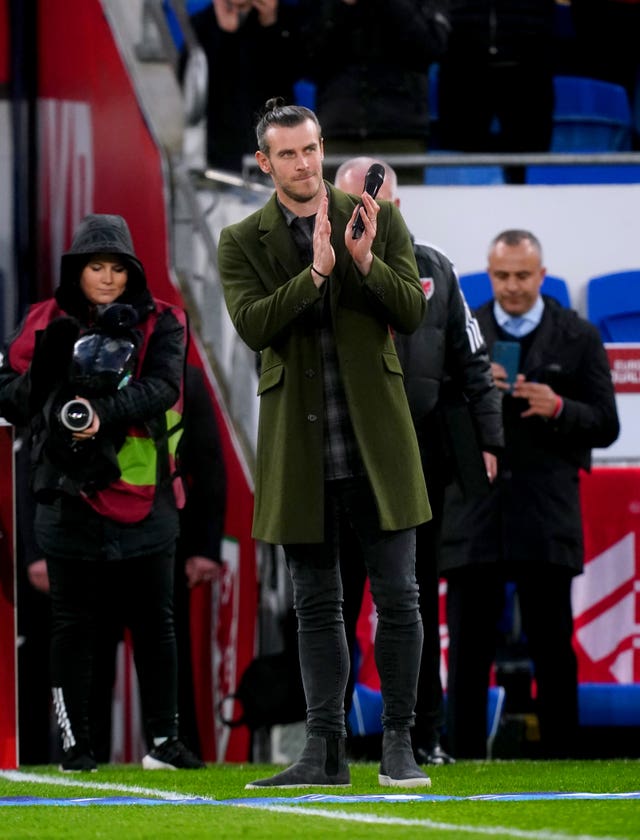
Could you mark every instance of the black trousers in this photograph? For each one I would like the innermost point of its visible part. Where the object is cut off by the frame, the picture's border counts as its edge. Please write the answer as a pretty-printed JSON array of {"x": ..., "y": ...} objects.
[
  {"x": 475, "y": 600},
  {"x": 88, "y": 595},
  {"x": 317, "y": 576}
]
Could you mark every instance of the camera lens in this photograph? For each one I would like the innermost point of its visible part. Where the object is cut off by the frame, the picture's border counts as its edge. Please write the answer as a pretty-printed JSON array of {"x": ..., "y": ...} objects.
[{"x": 76, "y": 415}]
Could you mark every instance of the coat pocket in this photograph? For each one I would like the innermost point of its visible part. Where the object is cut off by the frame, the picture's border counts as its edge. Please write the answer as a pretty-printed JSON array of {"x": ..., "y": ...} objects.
[
  {"x": 270, "y": 377},
  {"x": 392, "y": 363}
]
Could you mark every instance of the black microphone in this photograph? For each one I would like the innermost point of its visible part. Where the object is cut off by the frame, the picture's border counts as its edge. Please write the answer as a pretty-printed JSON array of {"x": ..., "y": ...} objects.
[{"x": 372, "y": 183}]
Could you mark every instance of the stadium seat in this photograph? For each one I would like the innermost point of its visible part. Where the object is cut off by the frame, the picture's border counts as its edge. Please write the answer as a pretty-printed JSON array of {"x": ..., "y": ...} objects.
[
  {"x": 589, "y": 173},
  {"x": 590, "y": 115},
  {"x": 434, "y": 106},
  {"x": 304, "y": 93},
  {"x": 481, "y": 175},
  {"x": 365, "y": 715},
  {"x": 613, "y": 305},
  {"x": 609, "y": 704},
  {"x": 477, "y": 290}
]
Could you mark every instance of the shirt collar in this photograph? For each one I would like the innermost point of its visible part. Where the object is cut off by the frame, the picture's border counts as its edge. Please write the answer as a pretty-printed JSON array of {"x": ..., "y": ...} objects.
[{"x": 530, "y": 319}]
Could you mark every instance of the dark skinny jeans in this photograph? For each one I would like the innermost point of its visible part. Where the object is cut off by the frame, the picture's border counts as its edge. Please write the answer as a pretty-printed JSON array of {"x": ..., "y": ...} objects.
[{"x": 317, "y": 587}]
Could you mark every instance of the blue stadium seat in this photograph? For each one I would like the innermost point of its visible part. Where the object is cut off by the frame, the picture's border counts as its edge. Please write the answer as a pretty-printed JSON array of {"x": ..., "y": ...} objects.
[
  {"x": 590, "y": 115},
  {"x": 609, "y": 704},
  {"x": 365, "y": 715},
  {"x": 589, "y": 173},
  {"x": 477, "y": 290},
  {"x": 613, "y": 305},
  {"x": 304, "y": 93},
  {"x": 474, "y": 176}
]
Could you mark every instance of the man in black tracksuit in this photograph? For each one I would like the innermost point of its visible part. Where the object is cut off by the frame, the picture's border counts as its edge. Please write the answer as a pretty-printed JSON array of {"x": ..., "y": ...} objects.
[{"x": 456, "y": 411}]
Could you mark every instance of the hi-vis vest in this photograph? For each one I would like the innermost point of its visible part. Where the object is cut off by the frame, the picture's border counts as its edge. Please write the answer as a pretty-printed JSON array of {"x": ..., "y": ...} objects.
[{"x": 130, "y": 497}]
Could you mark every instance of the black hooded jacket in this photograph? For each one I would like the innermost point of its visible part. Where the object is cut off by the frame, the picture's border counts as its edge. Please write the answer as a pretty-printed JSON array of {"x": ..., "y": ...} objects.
[{"x": 37, "y": 371}]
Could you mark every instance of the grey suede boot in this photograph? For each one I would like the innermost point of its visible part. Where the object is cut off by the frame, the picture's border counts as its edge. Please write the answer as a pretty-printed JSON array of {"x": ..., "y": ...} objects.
[
  {"x": 322, "y": 764},
  {"x": 398, "y": 767}
]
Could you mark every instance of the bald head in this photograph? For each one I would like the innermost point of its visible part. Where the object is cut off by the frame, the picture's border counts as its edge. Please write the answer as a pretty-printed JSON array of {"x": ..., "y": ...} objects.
[{"x": 350, "y": 177}]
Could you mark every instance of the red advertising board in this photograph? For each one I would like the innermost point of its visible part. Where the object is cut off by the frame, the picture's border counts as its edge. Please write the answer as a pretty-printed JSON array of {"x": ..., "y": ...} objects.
[
  {"x": 606, "y": 597},
  {"x": 624, "y": 360}
]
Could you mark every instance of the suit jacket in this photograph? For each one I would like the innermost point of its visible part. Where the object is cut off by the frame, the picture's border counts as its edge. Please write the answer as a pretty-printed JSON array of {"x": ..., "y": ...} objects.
[
  {"x": 532, "y": 516},
  {"x": 270, "y": 296}
]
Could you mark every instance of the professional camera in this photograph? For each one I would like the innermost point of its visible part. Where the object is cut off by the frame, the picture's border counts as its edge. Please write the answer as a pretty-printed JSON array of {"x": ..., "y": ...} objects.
[
  {"x": 88, "y": 365},
  {"x": 103, "y": 360}
]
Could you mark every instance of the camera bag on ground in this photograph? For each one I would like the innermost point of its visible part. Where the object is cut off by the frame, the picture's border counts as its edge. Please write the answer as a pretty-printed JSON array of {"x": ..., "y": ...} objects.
[{"x": 270, "y": 692}]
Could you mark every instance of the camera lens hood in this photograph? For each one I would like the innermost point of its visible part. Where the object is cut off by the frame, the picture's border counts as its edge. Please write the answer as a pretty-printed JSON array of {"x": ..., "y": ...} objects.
[{"x": 76, "y": 415}]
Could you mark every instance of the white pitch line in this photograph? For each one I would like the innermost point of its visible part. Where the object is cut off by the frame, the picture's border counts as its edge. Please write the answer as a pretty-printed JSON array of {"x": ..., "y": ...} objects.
[
  {"x": 433, "y": 825},
  {"x": 18, "y": 776},
  {"x": 428, "y": 824}
]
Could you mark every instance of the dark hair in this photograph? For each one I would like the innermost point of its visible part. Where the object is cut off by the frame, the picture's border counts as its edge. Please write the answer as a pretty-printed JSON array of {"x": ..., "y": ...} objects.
[
  {"x": 515, "y": 236},
  {"x": 277, "y": 112}
]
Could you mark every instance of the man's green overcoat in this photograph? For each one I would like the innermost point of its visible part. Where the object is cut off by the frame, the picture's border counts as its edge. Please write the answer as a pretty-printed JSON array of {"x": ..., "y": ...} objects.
[{"x": 270, "y": 296}]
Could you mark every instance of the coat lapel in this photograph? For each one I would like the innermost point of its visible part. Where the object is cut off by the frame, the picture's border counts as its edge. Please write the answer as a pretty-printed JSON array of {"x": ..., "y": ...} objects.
[
  {"x": 280, "y": 247},
  {"x": 281, "y": 251}
]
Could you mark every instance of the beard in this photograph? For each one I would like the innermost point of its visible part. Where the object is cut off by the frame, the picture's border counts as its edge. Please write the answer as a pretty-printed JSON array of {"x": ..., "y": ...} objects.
[{"x": 302, "y": 191}]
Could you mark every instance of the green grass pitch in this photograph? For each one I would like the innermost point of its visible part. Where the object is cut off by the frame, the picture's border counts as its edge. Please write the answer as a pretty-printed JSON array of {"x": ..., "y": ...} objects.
[{"x": 538, "y": 819}]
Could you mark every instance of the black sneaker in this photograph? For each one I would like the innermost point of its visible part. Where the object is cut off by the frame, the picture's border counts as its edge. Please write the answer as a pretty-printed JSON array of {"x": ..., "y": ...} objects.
[
  {"x": 172, "y": 755},
  {"x": 75, "y": 760},
  {"x": 435, "y": 756}
]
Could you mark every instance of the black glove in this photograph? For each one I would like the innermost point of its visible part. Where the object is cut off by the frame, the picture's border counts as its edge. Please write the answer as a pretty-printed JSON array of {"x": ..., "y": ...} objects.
[{"x": 52, "y": 358}]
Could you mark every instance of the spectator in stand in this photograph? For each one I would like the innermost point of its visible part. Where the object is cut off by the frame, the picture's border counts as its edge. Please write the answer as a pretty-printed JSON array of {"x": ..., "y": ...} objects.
[
  {"x": 250, "y": 56},
  {"x": 370, "y": 61},
  {"x": 607, "y": 34},
  {"x": 447, "y": 377},
  {"x": 497, "y": 73},
  {"x": 528, "y": 528},
  {"x": 94, "y": 371},
  {"x": 318, "y": 298}
]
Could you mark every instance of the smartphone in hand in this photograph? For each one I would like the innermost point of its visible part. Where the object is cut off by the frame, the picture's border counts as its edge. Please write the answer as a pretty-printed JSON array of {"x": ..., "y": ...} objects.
[{"x": 507, "y": 354}]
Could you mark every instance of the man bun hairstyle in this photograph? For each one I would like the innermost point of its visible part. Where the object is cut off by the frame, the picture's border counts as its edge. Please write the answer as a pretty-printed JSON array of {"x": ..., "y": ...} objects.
[{"x": 277, "y": 112}]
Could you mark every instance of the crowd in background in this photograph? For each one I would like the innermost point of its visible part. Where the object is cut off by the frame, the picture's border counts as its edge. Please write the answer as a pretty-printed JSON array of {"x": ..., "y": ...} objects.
[{"x": 365, "y": 68}]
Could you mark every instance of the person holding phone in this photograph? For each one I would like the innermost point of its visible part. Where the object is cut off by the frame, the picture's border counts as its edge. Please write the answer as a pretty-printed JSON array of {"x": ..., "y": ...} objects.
[{"x": 528, "y": 529}]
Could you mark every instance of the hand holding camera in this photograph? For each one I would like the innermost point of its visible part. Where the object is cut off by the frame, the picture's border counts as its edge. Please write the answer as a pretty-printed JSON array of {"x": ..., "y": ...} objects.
[{"x": 79, "y": 418}]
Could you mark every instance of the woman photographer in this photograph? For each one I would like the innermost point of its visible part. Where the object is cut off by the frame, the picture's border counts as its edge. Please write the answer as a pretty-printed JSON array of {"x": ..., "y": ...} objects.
[{"x": 107, "y": 514}]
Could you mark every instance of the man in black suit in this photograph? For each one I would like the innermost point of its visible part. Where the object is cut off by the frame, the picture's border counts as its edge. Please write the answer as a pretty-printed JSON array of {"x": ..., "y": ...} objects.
[{"x": 528, "y": 529}]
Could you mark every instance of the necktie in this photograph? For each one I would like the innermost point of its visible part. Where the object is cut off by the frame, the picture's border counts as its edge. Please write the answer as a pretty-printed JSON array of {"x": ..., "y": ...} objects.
[{"x": 514, "y": 326}]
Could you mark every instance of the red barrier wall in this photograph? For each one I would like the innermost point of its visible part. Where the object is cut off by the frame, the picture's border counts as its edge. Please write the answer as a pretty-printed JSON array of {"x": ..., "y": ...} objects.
[{"x": 98, "y": 155}]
